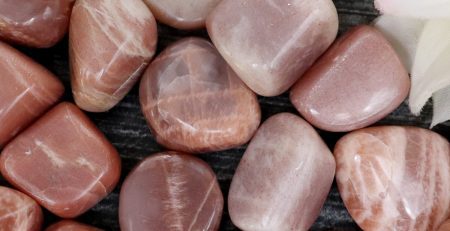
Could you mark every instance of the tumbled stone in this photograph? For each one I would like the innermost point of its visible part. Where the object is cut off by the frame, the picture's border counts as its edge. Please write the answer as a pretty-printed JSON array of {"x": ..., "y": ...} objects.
[
  {"x": 37, "y": 23},
  {"x": 283, "y": 178},
  {"x": 62, "y": 161},
  {"x": 68, "y": 225},
  {"x": 394, "y": 178},
  {"x": 170, "y": 191},
  {"x": 184, "y": 14},
  {"x": 27, "y": 90},
  {"x": 445, "y": 226},
  {"x": 110, "y": 43},
  {"x": 357, "y": 82},
  {"x": 270, "y": 44},
  {"x": 18, "y": 211},
  {"x": 194, "y": 102}
]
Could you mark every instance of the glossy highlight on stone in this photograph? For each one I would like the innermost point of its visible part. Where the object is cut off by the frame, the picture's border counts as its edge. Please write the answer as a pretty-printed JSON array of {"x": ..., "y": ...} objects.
[
  {"x": 194, "y": 102},
  {"x": 394, "y": 178},
  {"x": 110, "y": 44},
  {"x": 27, "y": 90},
  {"x": 62, "y": 161},
  {"x": 36, "y": 23},
  {"x": 270, "y": 44},
  {"x": 69, "y": 225},
  {"x": 357, "y": 82},
  {"x": 283, "y": 178},
  {"x": 170, "y": 191},
  {"x": 18, "y": 211}
]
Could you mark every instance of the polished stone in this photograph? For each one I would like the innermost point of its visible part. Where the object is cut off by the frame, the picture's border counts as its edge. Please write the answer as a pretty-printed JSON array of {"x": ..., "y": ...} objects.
[
  {"x": 110, "y": 43},
  {"x": 37, "y": 23},
  {"x": 194, "y": 102},
  {"x": 270, "y": 44},
  {"x": 445, "y": 226},
  {"x": 18, "y": 212},
  {"x": 394, "y": 178},
  {"x": 170, "y": 191},
  {"x": 27, "y": 90},
  {"x": 62, "y": 161},
  {"x": 69, "y": 225},
  {"x": 357, "y": 82},
  {"x": 283, "y": 178}
]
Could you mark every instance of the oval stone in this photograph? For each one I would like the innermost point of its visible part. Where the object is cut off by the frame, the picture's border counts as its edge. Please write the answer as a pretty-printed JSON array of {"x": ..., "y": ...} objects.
[
  {"x": 110, "y": 44},
  {"x": 18, "y": 211},
  {"x": 69, "y": 225},
  {"x": 62, "y": 161},
  {"x": 394, "y": 178},
  {"x": 283, "y": 178},
  {"x": 170, "y": 191},
  {"x": 357, "y": 82},
  {"x": 270, "y": 44},
  {"x": 194, "y": 102}
]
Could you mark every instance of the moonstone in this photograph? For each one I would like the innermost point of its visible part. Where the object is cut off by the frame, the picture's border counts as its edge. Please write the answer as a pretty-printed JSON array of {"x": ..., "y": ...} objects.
[
  {"x": 194, "y": 102},
  {"x": 283, "y": 178},
  {"x": 62, "y": 161},
  {"x": 170, "y": 191},
  {"x": 110, "y": 43},
  {"x": 27, "y": 90},
  {"x": 68, "y": 225},
  {"x": 36, "y": 23},
  {"x": 394, "y": 178},
  {"x": 18, "y": 211},
  {"x": 270, "y": 44},
  {"x": 357, "y": 82},
  {"x": 184, "y": 14}
]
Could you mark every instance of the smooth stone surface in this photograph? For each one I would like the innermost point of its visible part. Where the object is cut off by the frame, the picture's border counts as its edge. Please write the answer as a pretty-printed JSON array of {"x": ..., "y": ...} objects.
[
  {"x": 283, "y": 178},
  {"x": 36, "y": 23},
  {"x": 18, "y": 211},
  {"x": 69, "y": 225},
  {"x": 394, "y": 178},
  {"x": 194, "y": 102},
  {"x": 27, "y": 90},
  {"x": 62, "y": 161},
  {"x": 357, "y": 82},
  {"x": 270, "y": 44},
  {"x": 170, "y": 191},
  {"x": 182, "y": 14},
  {"x": 110, "y": 44},
  {"x": 445, "y": 226}
]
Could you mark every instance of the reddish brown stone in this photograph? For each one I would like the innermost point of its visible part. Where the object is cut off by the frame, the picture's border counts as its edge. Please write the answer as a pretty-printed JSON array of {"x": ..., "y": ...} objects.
[
  {"x": 445, "y": 226},
  {"x": 63, "y": 161},
  {"x": 68, "y": 225},
  {"x": 27, "y": 90},
  {"x": 170, "y": 191}
]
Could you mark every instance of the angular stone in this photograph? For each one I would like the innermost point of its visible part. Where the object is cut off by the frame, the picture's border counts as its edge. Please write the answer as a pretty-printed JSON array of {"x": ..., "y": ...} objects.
[
  {"x": 283, "y": 178},
  {"x": 27, "y": 90},
  {"x": 170, "y": 191},
  {"x": 394, "y": 178},
  {"x": 270, "y": 44},
  {"x": 110, "y": 43},
  {"x": 184, "y": 14},
  {"x": 69, "y": 225},
  {"x": 357, "y": 82},
  {"x": 62, "y": 161},
  {"x": 445, "y": 226},
  {"x": 194, "y": 102},
  {"x": 18, "y": 211},
  {"x": 37, "y": 23}
]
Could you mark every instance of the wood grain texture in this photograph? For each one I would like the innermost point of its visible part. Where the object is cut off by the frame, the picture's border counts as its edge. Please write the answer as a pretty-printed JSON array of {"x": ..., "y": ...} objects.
[{"x": 126, "y": 128}]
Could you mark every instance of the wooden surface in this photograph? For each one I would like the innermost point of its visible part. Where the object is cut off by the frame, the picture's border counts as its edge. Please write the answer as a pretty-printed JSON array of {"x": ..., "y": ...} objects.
[{"x": 125, "y": 126}]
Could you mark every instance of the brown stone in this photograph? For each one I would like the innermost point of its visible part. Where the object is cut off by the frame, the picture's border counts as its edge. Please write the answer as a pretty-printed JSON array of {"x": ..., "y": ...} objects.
[
  {"x": 69, "y": 225},
  {"x": 445, "y": 226},
  {"x": 62, "y": 161}
]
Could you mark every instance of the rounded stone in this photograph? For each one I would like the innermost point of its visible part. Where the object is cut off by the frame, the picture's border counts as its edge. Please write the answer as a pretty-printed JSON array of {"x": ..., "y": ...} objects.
[{"x": 69, "y": 225}]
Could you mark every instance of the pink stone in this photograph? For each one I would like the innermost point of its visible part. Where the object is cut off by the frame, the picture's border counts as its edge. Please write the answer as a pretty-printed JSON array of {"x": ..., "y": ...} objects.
[
  {"x": 270, "y": 44},
  {"x": 18, "y": 211},
  {"x": 110, "y": 43},
  {"x": 68, "y": 225},
  {"x": 194, "y": 102},
  {"x": 394, "y": 178},
  {"x": 36, "y": 23},
  {"x": 357, "y": 82},
  {"x": 445, "y": 226},
  {"x": 283, "y": 178},
  {"x": 184, "y": 14},
  {"x": 27, "y": 90},
  {"x": 170, "y": 191},
  {"x": 62, "y": 161}
]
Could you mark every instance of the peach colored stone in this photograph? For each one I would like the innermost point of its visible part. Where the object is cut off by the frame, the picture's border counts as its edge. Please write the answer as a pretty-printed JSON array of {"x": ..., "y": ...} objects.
[
  {"x": 62, "y": 161},
  {"x": 110, "y": 43},
  {"x": 68, "y": 225},
  {"x": 194, "y": 102}
]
